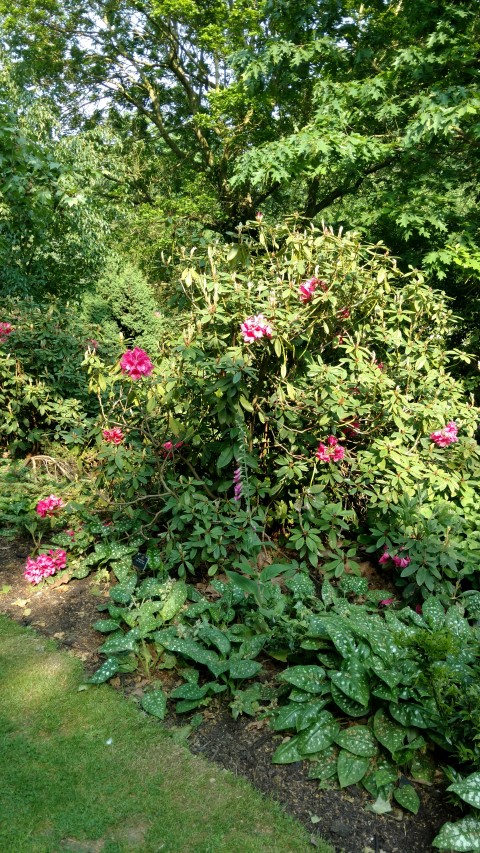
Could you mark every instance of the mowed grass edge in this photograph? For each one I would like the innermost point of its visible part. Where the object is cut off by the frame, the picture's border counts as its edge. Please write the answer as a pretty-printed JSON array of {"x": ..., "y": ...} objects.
[{"x": 86, "y": 771}]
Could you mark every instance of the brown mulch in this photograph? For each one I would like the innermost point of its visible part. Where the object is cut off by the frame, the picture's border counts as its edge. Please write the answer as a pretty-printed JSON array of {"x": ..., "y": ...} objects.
[{"x": 244, "y": 746}]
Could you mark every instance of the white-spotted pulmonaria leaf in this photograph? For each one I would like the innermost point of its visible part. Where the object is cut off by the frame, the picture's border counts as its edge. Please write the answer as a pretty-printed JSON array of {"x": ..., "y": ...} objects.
[
  {"x": 390, "y": 734},
  {"x": 287, "y": 752},
  {"x": 408, "y": 798},
  {"x": 107, "y": 670},
  {"x": 468, "y": 789},
  {"x": 309, "y": 678},
  {"x": 463, "y": 835},
  {"x": 155, "y": 703},
  {"x": 350, "y": 768},
  {"x": 353, "y": 682},
  {"x": 359, "y": 740},
  {"x": 319, "y": 735}
]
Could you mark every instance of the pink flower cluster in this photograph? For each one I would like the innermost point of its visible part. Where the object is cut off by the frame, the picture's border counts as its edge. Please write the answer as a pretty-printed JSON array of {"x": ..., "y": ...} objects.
[
  {"x": 254, "y": 328},
  {"x": 113, "y": 436},
  {"x": 48, "y": 506},
  {"x": 6, "y": 329},
  {"x": 237, "y": 484},
  {"x": 169, "y": 447},
  {"x": 399, "y": 562},
  {"x": 308, "y": 288},
  {"x": 330, "y": 452},
  {"x": 447, "y": 435},
  {"x": 45, "y": 565},
  {"x": 136, "y": 363}
]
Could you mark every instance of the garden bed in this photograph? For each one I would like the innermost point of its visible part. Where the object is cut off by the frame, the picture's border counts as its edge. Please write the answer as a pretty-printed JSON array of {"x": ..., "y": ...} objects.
[{"x": 245, "y": 746}]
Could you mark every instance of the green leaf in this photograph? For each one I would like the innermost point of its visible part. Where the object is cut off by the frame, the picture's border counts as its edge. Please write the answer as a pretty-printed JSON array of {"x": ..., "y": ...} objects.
[
  {"x": 189, "y": 691},
  {"x": 175, "y": 600},
  {"x": 468, "y": 789},
  {"x": 309, "y": 678},
  {"x": 388, "y": 733},
  {"x": 350, "y": 768},
  {"x": 319, "y": 735},
  {"x": 353, "y": 683},
  {"x": 119, "y": 643},
  {"x": 410, "y": 715},
  {"x": 107, "y": 670},
  {"x": 462, "y": 835},
  {"x": 324, "y": 766},
  {"x": 347, "y": 705},
  {"x": 155, "y": 702},
  {"x": 433, "y": 613},
  {"x": 408, "y": 798},
  {"x": 106, "y": 625},
  {"x": 287, "y": 752},
  {"x": 213, "y": 636},
  {"x": 189, "y": 648},
  {"x": 359, "y": 740},
  {"x": 243, "y": 668}
]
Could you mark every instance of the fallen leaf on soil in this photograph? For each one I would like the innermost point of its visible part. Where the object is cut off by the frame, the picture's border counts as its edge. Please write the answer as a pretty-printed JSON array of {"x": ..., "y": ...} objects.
[{"x": 21, "y": 602}]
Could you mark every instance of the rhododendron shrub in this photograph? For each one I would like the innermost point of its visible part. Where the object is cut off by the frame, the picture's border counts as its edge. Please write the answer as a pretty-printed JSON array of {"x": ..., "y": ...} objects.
[{"x": 319, "y": 366}]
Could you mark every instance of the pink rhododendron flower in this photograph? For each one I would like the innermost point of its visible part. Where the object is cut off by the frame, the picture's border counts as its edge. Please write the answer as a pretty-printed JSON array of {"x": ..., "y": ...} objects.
[
  {"x": 386, "y": 601},
  {"x": 6, "y": 329},
  {"x": 136, "y": 363},
  {"x": 401, "y": 562},
  {"x": 384, "y": 558},
  {"x": 168, "y": 447},
  {"x": 49, "y": 506},
  {"x": 113, "y": 436},
  {"x": 447, "y": 435},
  {"x": 330, "y": 452},
  {"x": 254, "y": 328},
  {"x": 44, "y": 566},
  {"x": 307, "y": 289}
]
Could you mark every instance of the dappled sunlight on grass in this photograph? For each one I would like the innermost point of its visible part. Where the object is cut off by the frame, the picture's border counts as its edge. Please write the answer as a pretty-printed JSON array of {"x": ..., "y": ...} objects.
[{"x": 85, "y": 771}]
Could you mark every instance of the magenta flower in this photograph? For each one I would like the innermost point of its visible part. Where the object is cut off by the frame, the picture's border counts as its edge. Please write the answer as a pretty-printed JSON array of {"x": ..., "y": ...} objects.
[
  {"x": 384, "y": 558},
  {"x": 307, "y": 289},
  {"x": 49, "y": 506},
  {"x": 447, "y": 435},
  {"x": 344, "y": 313},
  {"x": 418, "y": 609},
  {"x": 168, "y": 447},
  {"x": 254, "y": 328},
  {"x": 136, "y": 363},
  {"x": 113, "y": 436},
  {"x": 259, "y": 216},
  {"x": 401, "y": 562},
  {"x": 44, "y": 566},
  {"x": 70, "y": 533},
  {"x": 387, "y": 601},
  {"x": 330, "y": 452},
  {"x": 6, "y": 329}
]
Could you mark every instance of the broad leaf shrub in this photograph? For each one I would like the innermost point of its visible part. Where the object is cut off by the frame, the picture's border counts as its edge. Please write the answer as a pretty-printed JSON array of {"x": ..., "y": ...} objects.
[{"x": 314, "y": 367}]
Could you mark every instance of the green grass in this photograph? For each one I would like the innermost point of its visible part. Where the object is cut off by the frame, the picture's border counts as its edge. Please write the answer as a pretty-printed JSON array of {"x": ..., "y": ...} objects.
[{"x": 66, "y": 788}]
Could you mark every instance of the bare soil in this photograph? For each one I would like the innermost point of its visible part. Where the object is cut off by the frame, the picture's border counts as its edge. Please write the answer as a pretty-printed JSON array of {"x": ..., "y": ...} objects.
[{"x": 244, "y": 746}]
